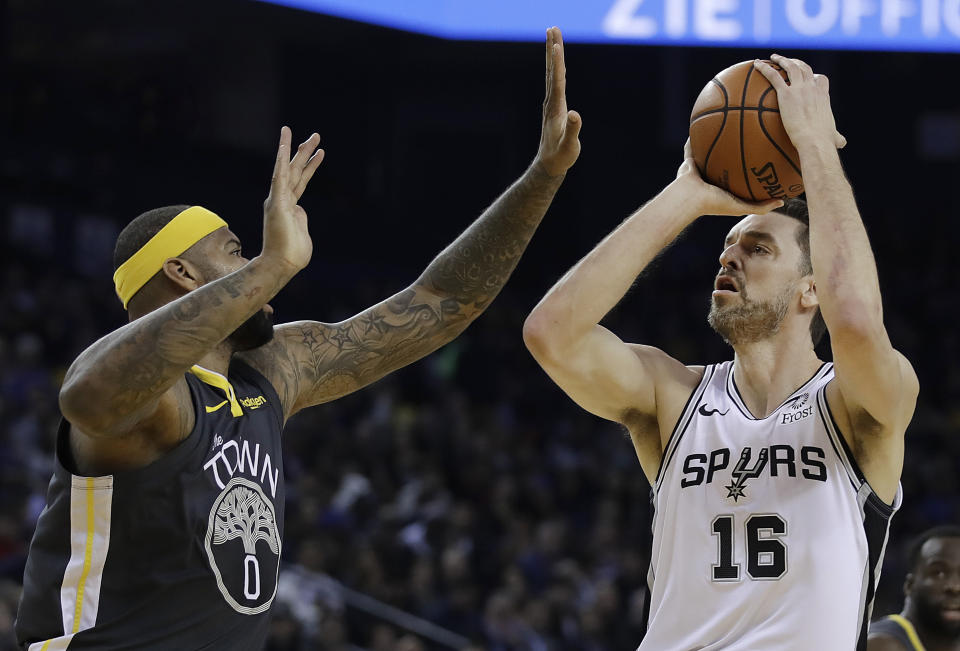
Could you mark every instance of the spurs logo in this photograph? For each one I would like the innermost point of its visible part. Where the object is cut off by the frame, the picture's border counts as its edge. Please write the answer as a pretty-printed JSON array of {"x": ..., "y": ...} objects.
[
  {"x": 741, "y": 473},
  {"x": 777, "y": 461}
]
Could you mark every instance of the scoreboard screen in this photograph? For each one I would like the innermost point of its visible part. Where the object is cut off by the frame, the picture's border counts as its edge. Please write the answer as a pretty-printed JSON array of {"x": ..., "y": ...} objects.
[{"x": 931, "y": 25}]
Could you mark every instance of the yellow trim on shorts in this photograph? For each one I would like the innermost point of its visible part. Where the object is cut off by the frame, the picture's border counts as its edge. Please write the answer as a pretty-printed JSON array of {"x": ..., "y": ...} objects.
[{"x": 87, "y": 554}]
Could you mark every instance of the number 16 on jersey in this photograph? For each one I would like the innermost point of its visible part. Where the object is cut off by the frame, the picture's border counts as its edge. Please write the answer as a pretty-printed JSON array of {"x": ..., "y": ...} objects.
[{"x": 765, "y": 550}]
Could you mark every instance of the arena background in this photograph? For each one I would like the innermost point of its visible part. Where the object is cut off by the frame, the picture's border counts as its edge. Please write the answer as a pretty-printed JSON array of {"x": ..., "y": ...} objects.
[{"x": 465, "y": 490}]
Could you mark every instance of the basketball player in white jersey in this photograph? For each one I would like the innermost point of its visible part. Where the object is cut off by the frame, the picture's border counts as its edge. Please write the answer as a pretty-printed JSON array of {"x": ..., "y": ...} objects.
[{"x": 775, "y": 474}]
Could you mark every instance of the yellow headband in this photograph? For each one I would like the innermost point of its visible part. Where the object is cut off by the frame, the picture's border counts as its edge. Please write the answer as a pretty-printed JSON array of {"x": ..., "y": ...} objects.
[{"x": 183, "y": 231}]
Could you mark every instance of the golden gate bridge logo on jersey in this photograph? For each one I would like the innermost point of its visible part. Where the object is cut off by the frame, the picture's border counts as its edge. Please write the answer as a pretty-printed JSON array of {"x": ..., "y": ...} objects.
[
  {"x": 243, "y": 546},
  {"x": 743, "y": 471}
]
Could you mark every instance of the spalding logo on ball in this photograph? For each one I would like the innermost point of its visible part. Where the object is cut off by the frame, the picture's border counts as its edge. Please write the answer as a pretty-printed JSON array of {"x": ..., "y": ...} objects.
[{"x": 738, "y": 140}]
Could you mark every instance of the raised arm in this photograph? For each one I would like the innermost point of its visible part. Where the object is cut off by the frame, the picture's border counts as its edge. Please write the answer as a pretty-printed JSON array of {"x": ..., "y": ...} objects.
[
  {"x": 876, "y": 386},
  {"x": 119, "y": 380},
  {"x": 617, "y": 381},
  {"x": 312, "y": 363}
]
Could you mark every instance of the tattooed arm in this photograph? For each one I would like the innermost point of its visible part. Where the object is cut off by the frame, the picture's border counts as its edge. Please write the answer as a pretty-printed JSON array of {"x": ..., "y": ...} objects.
[
  {"x": 117, "y": 381},
  {"x": 312, "y": 362},
  {"x": 120, "y": 381}
]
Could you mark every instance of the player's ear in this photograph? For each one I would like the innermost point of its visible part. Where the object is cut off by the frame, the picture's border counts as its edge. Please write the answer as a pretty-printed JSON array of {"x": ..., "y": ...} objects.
[
  {"x": 182, "y": 273},
  {"x": 808, "y": 293},
  {"x": 908, "y": 583}
]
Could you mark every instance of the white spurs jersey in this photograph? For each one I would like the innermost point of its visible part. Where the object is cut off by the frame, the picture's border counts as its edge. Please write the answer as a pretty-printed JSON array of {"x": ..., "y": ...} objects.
[{"x": 766, "y": 537}]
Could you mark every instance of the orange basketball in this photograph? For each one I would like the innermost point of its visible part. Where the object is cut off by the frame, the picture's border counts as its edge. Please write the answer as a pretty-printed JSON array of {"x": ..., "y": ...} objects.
[{"x": 738, "y": 139}]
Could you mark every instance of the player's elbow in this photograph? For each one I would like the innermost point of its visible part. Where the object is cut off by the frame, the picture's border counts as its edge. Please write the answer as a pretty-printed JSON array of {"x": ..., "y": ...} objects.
[
  {"x": 535, "y": 334},
  {"x": 75, "y": 401},
  {"x": 542, "y": 336},
  {"x": 80, "y": 406},
  {"x": 72, "y": 401}
]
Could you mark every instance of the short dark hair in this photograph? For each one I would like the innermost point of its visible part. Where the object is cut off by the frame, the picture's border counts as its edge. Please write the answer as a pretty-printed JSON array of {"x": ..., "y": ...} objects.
[
  {"x": 916, "y": 545},
  {"x": 139, "y": 231},
  {"x": 797, "y": 209}
]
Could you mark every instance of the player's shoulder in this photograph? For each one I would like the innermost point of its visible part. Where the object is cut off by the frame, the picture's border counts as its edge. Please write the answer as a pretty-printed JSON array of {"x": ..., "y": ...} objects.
[
  {"x": 885, "y": 642},
  {"x": 887, "y": 634},
  {"x": 901, "y": 409},
  {"x": 668, "y": 369}
]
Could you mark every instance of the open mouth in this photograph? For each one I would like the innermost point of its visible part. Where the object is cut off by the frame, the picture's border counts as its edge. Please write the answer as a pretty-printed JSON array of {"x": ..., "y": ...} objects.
[{"x": 725, "y": 284}]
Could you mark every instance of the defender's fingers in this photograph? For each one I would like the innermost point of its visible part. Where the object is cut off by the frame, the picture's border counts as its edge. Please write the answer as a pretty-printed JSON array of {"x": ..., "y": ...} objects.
[
  {"x": 687, "y": 149},
  {"x": 549, "y": 42},
  {"x": 559, "y": 71},
  {"x": 548, "y": 64},
  {"x": 558, "y": 39},
  {"x": 572, "y": 130},
  {"x": 283, "y": 156},
  {"x": 559, "y": 64},
  {"x": 305, "y": 152},
  {"x": 308, "y": 171},
  {"x": 556, "y": 101},
  {"x": 771, "y": 75}
]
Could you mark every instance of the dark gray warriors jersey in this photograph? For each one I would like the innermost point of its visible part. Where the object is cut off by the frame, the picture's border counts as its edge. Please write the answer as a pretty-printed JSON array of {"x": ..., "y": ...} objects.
[
  {"x": 181, "y": 554},
  {"x": 899, "y": 628}
]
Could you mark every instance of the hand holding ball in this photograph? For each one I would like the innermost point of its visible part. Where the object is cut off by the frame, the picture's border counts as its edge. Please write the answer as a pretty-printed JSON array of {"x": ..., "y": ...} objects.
[{"x": 738, "y": 140}]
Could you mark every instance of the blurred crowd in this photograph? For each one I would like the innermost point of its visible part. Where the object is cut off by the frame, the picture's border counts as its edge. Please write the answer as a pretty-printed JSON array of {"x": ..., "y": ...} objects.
[{"x": 466, "y": 490}]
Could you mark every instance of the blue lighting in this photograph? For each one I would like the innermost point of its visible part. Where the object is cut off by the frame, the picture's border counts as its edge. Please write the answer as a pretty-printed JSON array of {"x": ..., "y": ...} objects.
[{"x": 807, "y": 24}]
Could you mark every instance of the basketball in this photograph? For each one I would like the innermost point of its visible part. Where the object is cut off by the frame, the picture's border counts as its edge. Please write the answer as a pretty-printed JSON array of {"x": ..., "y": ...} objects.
[{"x": 738, "y": 139}]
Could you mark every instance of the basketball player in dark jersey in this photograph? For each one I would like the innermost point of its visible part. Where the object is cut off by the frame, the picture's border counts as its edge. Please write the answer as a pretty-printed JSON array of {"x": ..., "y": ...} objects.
[
  {"x": 164, "y": 518},
  {"x": 930, "y": 619}
]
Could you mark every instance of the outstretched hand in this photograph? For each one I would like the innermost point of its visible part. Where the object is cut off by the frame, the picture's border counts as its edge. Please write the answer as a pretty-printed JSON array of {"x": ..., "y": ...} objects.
[
  {"x": 286, "y": 238},
  {"x": 559, "y": 142},
  {"x": 714, "y": 200}
]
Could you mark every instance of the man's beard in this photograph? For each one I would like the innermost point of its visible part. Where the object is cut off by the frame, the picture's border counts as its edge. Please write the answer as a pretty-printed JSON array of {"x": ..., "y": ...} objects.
[
  {"x": 749, "y": 321},
  {"x": 930, "y": 615},
  {"x": 252, "y": 333}
]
